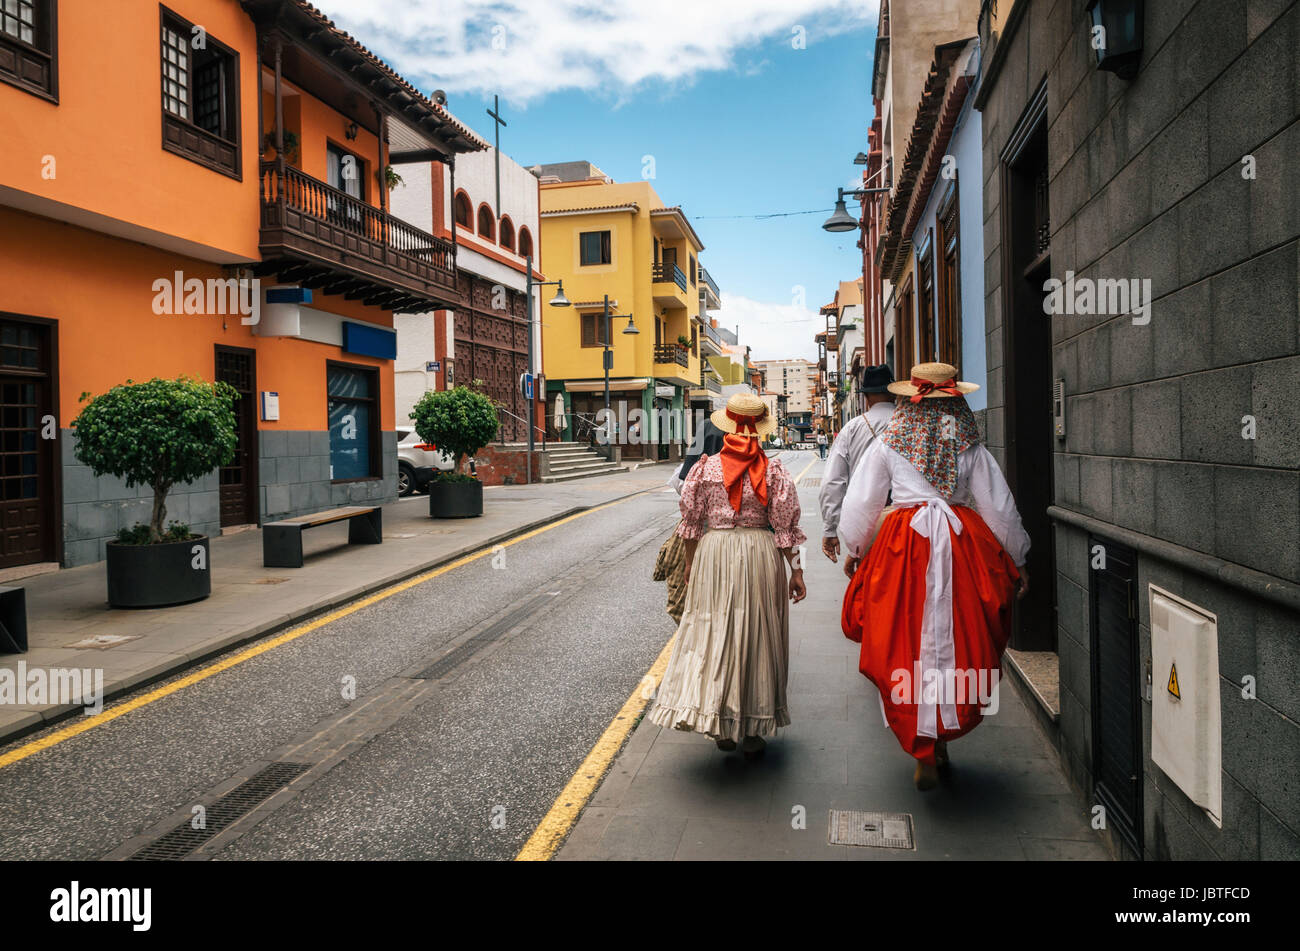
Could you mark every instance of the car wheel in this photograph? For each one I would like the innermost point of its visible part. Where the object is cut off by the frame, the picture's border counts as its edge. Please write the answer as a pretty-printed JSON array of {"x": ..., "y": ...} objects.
[{"x": 405, "y": 479}]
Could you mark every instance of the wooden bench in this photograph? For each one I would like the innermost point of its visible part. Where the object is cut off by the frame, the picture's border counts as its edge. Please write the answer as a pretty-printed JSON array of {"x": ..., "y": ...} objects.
[{"x": 282, "y": 541}]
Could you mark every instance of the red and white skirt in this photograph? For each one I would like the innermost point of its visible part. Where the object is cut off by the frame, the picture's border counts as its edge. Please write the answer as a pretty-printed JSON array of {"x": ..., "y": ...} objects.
[{"x": 885, "y": 609}]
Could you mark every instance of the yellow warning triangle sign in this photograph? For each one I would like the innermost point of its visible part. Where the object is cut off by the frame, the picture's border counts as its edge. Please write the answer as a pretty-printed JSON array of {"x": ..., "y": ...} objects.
[{"x": 1173, "y": 682}]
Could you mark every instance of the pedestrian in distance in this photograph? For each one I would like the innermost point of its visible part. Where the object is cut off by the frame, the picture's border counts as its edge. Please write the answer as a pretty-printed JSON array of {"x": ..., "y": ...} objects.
[
  {"x": 821, "y": 443},
  {"x": 726, "y": 677},
  {"x": 670, "y": 565},
  {"x": 931, "y": 596},
  {"x": 858, "y": 433}
]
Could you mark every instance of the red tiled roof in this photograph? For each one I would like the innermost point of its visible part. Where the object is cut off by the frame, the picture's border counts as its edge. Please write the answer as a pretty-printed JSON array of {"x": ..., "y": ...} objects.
[{"x": 470, "y": 137}]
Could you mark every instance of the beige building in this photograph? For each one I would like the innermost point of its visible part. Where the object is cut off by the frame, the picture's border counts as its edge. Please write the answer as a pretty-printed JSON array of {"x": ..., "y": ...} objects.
[{"x": 796, "y": 379}]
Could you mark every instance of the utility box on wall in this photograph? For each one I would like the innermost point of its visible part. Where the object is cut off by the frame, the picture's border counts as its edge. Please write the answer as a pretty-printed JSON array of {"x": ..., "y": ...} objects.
[{"x": 1186, "y": 720}]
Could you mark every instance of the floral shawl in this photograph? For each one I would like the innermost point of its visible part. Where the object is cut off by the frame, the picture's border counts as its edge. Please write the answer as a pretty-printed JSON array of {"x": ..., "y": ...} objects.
[{"x": 930, "y": 435}]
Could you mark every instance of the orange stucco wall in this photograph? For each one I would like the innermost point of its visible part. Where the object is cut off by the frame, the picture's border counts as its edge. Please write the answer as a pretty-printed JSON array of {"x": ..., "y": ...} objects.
[
  {"x": 316, "y": 124},
  {"x": 105, "y": 133},
  {"x": 108, "y": 332}
]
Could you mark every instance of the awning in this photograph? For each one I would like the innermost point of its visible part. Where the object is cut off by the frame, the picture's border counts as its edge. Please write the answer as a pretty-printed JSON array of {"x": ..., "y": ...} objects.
[{"x": 640, "y": 383}]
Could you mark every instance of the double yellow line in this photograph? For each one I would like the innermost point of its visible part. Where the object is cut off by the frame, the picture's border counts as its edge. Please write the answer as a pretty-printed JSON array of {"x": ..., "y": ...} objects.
[{"x": 559, "y": 821}]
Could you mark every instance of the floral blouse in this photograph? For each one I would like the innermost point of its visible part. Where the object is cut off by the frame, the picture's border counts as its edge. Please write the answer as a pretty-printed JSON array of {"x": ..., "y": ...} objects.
[{"x": 705, "y": 504}]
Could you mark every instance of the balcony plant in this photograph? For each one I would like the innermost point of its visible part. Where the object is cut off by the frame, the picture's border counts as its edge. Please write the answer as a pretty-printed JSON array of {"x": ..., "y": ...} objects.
[
  {"x": 160, "y": 434},
  {"x": 460, "y": 422},
  {"x": 391, "y": 178},
  {"x": 683, "y": 341}
]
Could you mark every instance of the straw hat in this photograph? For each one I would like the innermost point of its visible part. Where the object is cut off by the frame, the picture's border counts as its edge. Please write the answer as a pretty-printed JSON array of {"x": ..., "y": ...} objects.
[
  {"x": 744, "y": 405},
  {"x": 932, "y": 381}
]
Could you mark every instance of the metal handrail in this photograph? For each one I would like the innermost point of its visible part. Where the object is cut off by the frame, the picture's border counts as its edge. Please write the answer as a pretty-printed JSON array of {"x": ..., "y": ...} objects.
[{"x": 501, "y": 439}]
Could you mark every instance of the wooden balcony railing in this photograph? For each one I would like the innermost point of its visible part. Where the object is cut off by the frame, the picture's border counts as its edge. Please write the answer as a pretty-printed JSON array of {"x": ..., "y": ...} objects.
[
  {"x": 303, "y": 213},
  {"x": 664, "y": 273},
  {"x": 672, "y": 353}
]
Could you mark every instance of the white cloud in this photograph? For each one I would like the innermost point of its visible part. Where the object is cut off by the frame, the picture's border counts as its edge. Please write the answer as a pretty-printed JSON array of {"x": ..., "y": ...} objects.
[
  {"x": 525, "y": 49},
  {"x": 771, "y": 331}
]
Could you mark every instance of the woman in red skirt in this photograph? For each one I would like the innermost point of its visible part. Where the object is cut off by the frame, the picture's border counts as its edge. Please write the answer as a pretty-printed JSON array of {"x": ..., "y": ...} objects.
[{"x": 930, "y": 601}]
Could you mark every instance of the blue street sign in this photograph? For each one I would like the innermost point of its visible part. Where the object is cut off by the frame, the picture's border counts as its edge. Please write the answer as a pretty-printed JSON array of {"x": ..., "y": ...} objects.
[
  {"x": 432, "y": 366},
  {"x": 526, "y": 385}
]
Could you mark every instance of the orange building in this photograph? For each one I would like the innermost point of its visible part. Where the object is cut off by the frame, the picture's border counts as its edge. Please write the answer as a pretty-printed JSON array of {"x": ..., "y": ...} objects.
[{"x": 202, "y": 191}]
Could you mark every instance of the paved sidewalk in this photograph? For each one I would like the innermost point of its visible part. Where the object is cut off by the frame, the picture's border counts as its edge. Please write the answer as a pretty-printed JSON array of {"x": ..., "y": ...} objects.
[
  {"x": 673, "y": 795},
  {"x": 66, "y": 608}
]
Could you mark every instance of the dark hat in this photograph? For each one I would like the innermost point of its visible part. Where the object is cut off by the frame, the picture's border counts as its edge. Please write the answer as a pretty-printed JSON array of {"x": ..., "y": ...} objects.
[{"x": 876, "y": 379}]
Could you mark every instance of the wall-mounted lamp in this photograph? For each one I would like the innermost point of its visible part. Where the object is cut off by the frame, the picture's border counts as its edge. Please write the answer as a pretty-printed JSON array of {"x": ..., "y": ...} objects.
[
  {"x": 840, "y": 219},
  {"x": 860, "y": 158},
  {"x": 1116, "y": 35},
  {"x": 350, "y": 132}
]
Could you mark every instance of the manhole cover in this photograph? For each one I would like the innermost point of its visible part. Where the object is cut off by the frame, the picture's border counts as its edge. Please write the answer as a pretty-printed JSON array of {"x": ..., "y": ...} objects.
[
  {"x": 883, "y": 830},
  {"x": 102, "y": 642}
]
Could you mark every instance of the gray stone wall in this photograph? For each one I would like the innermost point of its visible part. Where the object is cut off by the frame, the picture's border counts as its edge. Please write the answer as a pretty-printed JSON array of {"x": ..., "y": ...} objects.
[
  {"x": 294, "y": 471},
  {"x": 1146, "y": 182},
  {"x": 96, "y": 507}
]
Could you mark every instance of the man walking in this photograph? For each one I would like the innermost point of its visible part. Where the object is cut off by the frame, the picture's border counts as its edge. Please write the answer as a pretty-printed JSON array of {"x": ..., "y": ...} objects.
[{"x": 852, "y": 442}]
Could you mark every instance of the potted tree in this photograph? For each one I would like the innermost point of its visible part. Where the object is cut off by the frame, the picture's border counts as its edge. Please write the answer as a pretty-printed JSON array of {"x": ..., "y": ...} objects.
[
  {"x": 158, "y": 434},
  {"x": 460, "y": 422}
]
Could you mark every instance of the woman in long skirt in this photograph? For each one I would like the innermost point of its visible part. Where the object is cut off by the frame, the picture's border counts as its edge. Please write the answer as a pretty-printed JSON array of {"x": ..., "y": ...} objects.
[
  {"x": 726, "y": 677},
  {"x": 930, "y": 600}
]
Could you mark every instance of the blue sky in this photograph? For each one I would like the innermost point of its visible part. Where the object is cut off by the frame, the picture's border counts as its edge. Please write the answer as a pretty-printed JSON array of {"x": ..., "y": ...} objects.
[{"x": 738, "y": 120}]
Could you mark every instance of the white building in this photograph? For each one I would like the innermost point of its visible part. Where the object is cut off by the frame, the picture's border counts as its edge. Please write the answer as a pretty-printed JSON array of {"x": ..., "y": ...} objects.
[{"x": 487, "y": 338}]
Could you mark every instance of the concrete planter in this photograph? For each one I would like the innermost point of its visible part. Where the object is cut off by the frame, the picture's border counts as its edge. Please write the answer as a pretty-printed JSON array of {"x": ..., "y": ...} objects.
[
  {"x": 455, "y": 499},
  {"x": 156, "y": 576}
]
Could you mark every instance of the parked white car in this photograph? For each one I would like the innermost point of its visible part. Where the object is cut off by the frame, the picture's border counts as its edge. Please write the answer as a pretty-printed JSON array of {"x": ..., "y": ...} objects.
[{"x": 417, "y": 461}]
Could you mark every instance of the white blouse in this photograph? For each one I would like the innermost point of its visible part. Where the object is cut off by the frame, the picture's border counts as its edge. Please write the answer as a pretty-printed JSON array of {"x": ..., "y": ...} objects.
[{"x": 980, "y": 485}]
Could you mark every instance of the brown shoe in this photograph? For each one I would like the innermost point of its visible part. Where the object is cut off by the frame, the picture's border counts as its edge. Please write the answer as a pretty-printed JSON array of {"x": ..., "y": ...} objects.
[
  {"x": 926, "y": 777},
  {"x": 753, "y": 747},
  {"x": 726, "y": 745}
]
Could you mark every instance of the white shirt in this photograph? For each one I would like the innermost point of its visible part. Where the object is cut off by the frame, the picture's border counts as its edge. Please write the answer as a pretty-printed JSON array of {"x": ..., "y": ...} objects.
[
  {"x": 852, "y": 442},
  {"x": 980, "y": 485}
]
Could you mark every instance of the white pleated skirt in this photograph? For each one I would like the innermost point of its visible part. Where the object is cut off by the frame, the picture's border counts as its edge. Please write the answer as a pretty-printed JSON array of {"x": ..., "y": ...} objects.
[{"x": 727, "y": 674}]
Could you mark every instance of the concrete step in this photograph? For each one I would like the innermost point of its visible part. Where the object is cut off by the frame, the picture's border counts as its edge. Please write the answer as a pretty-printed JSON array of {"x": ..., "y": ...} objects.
[
  {"x": 562, "y": 457},
  {"x": 576, "y": 466},
  {"x": 570, "y": 476}
]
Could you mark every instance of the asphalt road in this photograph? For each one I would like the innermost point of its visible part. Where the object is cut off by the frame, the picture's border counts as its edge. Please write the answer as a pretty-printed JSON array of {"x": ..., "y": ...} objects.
[{"x": 510, "y": 668}]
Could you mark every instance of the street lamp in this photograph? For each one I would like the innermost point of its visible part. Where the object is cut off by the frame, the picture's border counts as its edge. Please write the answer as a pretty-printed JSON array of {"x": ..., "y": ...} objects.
[
  {"x": 840, "y": 219},
  {"x": 606, "y": 319},
  {"x": 559, "y": 300}
]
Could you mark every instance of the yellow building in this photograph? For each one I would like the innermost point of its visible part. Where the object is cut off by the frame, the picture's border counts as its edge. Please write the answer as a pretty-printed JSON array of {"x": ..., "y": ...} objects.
[{"x": 619, "y": 239}]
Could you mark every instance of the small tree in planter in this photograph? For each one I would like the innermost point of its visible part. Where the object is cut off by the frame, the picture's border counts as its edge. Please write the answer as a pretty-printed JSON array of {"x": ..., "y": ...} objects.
[
  {"x": 158, "y": 434},
  {"x": 459, "y": 422}
]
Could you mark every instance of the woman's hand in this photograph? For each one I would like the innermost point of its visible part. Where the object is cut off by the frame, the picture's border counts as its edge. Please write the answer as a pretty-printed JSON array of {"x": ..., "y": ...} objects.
[
  {"x": 850, "y": 566},
  {"x": 831, "y": 547},
  {"x": 797, "y": 590},
  {"x": 1023, "y": 588}
]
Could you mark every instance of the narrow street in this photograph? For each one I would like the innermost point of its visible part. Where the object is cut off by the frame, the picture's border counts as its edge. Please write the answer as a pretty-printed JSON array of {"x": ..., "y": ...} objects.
[{"x": 478, "y": 693}]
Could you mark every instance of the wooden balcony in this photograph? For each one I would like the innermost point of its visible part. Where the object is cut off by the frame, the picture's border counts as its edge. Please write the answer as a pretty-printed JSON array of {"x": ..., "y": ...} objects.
[
  {"x": 672, "y": 353},
  {"x": 321, "y": 237},
  {"x": 668, "y": 285}
]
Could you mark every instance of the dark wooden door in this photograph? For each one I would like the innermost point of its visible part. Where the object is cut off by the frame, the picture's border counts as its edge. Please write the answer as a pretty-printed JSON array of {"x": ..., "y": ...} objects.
[
  {"x": 27, "y": 522},
  {"x": 1116, "y": 709},
  {"x": 238, "y": 480},
  {"x": 1028, "y": 371}
]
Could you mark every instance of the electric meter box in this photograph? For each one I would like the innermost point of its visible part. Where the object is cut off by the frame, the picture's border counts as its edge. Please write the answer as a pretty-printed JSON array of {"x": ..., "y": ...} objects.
[{"x": 1186, "y": 720}]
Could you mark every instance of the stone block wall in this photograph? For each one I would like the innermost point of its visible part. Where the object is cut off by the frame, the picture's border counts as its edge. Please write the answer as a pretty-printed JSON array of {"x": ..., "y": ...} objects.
[
  {"x": 294, "y": 471},
  {"x": 96, "y": 507},
  {"x": 1183, "y": 176}
]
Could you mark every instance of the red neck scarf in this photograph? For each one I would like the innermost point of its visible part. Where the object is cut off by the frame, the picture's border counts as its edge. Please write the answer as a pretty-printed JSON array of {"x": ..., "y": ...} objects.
[{"x": 741, "y": 454}]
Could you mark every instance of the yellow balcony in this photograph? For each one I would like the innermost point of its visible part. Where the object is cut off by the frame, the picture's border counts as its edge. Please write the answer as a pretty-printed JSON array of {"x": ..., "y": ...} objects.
[{"x": 669, "y": 286}]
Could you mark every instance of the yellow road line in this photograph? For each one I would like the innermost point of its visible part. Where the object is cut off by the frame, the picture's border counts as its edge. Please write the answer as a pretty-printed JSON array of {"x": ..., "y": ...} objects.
[
  {"x": 112, "y": 713},
  {"x": 564, "y": 812}
]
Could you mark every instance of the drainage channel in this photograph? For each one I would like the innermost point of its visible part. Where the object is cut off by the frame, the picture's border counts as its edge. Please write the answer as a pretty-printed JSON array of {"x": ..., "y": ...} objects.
[{"x": 234, "y": 807}]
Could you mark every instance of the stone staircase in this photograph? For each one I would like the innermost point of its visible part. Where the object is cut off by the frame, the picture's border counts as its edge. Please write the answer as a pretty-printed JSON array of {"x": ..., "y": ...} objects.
[{"x": 565, "y": 461}]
